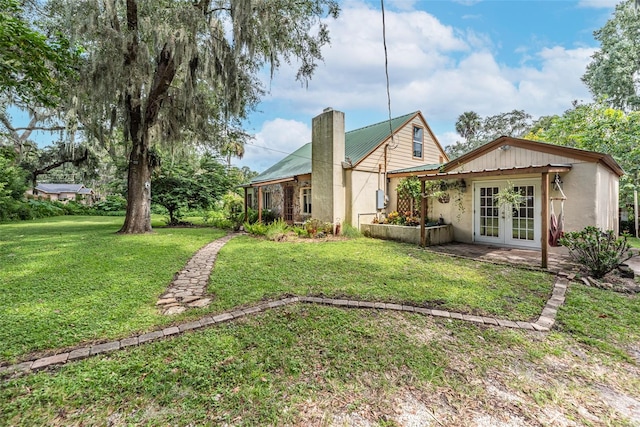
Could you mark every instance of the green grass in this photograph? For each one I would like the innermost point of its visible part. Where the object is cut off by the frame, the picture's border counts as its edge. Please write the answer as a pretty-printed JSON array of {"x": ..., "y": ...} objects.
[
  {"x": 245, "y": 373},
  {"x": 602, "y": 319},
  {"x": 68, "y": 280},
  {"x": 250, "y": 269},
  {"x": 634, "y": 242},
  {"x": 72, "y": 279}
]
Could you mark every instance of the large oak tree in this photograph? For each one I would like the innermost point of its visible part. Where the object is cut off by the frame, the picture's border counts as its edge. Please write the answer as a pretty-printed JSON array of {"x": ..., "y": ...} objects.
[
  {"x": 614, "y": 72},
  {"x": 181, "y": 71}
]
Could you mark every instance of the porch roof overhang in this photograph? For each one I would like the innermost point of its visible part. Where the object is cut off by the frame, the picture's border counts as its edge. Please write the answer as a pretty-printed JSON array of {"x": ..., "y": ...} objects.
[
  {"x": 275, "y": 181},
  {"x": 517, "y": 170}
]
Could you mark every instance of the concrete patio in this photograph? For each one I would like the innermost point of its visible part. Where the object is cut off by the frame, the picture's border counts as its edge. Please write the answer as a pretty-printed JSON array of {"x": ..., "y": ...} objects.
[{"x": 559, "y": 259}]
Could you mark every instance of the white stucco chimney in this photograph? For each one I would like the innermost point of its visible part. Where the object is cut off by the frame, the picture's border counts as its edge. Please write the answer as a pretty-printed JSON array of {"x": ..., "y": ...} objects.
[{"x": 327, "y": 176}]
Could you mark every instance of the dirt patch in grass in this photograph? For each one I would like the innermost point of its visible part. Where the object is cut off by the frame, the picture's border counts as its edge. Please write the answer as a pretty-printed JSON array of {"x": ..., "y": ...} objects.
[{"x": 542, "y": 381}]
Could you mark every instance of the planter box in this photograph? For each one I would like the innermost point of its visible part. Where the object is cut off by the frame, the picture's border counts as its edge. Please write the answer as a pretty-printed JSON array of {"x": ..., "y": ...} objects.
[{"x": 436, "y": 235}]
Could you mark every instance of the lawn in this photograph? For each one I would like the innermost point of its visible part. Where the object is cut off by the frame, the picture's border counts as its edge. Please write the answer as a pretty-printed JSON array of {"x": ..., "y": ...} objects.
[
  {"x": 305, "y": 364},
  {"x": 72, "y": 280},
  {"x": 250, "y": 269},
  {"x": 67, "y": 280}
]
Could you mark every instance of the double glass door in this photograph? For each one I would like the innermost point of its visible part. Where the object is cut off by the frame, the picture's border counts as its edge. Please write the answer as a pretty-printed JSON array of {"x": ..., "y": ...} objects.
[{"x": 509, "y": 225}]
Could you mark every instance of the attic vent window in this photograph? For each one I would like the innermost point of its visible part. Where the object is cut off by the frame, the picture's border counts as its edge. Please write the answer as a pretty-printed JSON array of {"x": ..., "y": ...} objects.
[{"x": 417, "y": 141}]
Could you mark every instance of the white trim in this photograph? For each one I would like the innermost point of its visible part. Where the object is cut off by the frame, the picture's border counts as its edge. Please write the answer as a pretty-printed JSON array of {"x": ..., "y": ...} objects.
[{"x": 505, "y": 216}]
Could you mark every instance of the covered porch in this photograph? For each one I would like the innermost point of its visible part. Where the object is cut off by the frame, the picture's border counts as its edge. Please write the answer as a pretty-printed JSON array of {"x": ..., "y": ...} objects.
[{"x": 536, "y": 180}]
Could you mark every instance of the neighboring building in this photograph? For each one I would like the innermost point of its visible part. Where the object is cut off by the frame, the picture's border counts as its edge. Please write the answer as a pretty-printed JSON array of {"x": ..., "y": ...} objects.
[
  {"x": 544, "y": 173},
  {"x": 64, "y": 192},
  {"x": 342, "y": 177}
]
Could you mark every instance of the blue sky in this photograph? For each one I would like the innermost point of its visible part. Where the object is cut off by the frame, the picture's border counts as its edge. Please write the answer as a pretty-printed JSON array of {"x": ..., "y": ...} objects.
[{"x": 445, "y": 57}]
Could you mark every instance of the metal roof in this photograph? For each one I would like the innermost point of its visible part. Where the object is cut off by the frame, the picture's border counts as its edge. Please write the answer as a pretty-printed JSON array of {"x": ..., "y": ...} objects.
[
  {"x": 421, "y": 168},
  {"x": 296, "y": 163},
  {"x": 59, "y": 188},
  {"x": 358, "y": 144}
]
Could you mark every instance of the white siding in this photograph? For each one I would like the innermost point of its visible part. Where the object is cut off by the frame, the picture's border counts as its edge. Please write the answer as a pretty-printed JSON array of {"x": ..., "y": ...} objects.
[{"x": 400, "y": 152}]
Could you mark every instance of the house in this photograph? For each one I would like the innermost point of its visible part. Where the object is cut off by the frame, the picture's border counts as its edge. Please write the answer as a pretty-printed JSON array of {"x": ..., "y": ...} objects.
[
  {"x": 64, "y": 192},
  {"x": 342, "y": 177},
  {"x": 583, "y": 185}
]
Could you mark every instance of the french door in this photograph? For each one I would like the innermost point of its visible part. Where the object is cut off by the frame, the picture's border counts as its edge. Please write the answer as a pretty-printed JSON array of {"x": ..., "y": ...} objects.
[{"x": 508, "y": 225}]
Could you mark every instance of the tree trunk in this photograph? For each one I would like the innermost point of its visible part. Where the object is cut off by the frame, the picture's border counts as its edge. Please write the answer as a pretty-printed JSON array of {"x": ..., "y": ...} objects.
[{"x": 138, "y": 219}]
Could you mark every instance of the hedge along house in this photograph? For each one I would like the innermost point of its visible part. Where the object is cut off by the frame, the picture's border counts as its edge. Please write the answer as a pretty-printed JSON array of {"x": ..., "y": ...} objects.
[
  {"x": 583, "y": 185},
  {"x": 342, "y": 177}
]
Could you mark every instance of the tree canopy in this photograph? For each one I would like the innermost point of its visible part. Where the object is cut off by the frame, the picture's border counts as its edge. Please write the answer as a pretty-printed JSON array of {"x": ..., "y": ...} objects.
[
  {"x": 614, "y": 72},
  {"x": 478, "y": 131},
  {"x": 181, "y": 71},
  {"x": 598, "y": 127},
  {"x": 33, "y": 65}
]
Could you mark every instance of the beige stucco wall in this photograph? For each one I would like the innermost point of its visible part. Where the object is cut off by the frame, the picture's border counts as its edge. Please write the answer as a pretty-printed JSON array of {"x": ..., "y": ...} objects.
[
  {"x": 328, "y": 192},
  {"x": 591, "y": 190},
  {"x": 361, "y": 196},
  {"x": 607, "y": 202}
]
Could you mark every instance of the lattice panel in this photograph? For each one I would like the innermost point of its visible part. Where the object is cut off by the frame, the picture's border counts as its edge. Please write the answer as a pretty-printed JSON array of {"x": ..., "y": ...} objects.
[{"x": 405, "y": 205}]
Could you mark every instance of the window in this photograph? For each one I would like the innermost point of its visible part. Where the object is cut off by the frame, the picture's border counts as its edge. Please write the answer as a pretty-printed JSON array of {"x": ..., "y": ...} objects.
[
  {"x": 417, "y": 141},
  {"x": 306, "y": 200},
  {"x": 250, "y": 200},
  {"x": 266, "y": 200}
]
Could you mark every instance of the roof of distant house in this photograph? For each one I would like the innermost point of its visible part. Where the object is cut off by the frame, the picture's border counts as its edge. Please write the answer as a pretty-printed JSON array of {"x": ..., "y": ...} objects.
[
  {"x": 358, "y": 144},
  {"x": 63, "y": 188}
]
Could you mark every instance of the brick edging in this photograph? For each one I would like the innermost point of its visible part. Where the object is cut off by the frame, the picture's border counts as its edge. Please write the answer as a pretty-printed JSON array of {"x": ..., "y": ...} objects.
[{"x": 544, "y": 323}]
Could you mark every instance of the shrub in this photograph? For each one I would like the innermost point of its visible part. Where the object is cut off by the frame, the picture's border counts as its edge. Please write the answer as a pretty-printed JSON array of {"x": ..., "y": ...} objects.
[
  {"x": 300, "y": 231},
  {"x": 312, "y": 226},
  {"x": 257, "y": 228},
  {"x": 277, "y": 230},
  {"x": 268, "y": 216},
  {"x": 218, "y": 219},
  {"x": 112, "y": 203},
  {"x": 600, "y": 252}
]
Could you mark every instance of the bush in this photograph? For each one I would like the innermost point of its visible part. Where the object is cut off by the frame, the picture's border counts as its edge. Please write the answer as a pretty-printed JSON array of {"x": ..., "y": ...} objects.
[
  {"x": 268, "y": 216},
  {"x": 257, "y": 228},
  {"x": 312, "y": 226},
  {"x": 277, "y": 230},
  {"x": 110, "y": 205},
  {"x": 600, "y": 252},
  {"x": 218, "y": 219}
]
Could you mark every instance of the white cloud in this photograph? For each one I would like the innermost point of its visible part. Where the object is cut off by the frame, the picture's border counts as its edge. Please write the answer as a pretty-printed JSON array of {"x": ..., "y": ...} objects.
[
  {"x": 440, "y": 70},
  {"x": 273, "y": 142},
  {"x": 447, "y": 138}
]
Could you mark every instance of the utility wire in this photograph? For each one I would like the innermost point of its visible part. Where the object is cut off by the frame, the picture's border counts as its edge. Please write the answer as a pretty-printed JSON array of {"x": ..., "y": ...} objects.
[{"x": 386, "y": 71}]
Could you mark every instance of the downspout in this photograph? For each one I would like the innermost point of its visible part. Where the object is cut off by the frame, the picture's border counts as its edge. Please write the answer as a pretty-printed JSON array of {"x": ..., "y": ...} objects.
[{"x": 386, "y": 181}]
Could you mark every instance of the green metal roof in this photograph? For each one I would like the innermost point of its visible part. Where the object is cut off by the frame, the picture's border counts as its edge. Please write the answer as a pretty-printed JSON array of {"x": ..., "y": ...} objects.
[
  {"x": 420, "y": 168},
  {"x": 296, "y": 163},
  {"x": 358, "y": 144}
]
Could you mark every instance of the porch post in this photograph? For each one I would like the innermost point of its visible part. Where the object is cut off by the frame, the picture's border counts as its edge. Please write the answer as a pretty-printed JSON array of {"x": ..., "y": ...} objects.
[
  {"x": 544, "y": 233},
  {"x": 259, "y": 204},
  {"x": 423, "y": 214},
  {"x": 246, "y": 211}
]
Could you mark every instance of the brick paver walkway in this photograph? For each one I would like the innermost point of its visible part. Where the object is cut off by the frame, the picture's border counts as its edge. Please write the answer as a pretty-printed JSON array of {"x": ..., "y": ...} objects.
[
  {"x": 188, "y": 290},
  {"x": 189, "y": 286}
]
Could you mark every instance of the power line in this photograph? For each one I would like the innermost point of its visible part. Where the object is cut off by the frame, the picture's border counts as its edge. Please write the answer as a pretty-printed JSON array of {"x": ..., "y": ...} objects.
[{"x": 386, "y": 72}]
